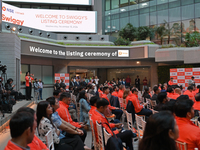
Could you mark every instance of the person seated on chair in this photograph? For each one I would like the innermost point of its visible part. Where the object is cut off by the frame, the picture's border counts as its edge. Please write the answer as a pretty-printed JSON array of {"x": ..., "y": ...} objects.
[
  {"x": 22, "y": 130},
  {"x": 156, "y": 91},
  {"x": 139, "y": 109},
  {"x": 118, "y": 112},
  {"x": 63, "y": 112},
  {"x": 10, "y": 87},
  {"x": 98, "y": 115},
  {"x": 188, "y": 131},
  {"x": 160, "y": 132},
  {"x": 162, "y": 98},
  {"x": 197, "y": 102},
  {"x": 121, "y": 91},
  {"x": 189, "y": 92},
  {"x": 115, "y": 91},
  {"x": 71, "y": 132},
  {"x": 146, "y": 94},
  {"x": 36, "y": 143}
]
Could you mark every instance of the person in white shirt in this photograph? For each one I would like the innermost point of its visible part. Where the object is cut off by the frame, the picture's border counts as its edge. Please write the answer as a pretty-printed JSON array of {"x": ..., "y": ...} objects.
[
  {"x": 40, "y": 89},
  {"x": 96, "y": 80}
]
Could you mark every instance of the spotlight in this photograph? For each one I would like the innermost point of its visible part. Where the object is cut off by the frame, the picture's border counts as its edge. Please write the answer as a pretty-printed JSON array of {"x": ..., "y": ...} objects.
[
  {"x": 40, "y": 33},
  {"x": 138, "y": 62},
  {"x": 102, "y": 38},
  {"x": 90, "y": 38},
  {"x": 65, "y": 37},
  {"x": 19, "y": 29},
  {"x": 13, "y": 29},
  {"x": 48, "y": 35},
  {"x": 7, "y": 26},
  {"x": 30, "y": 31},
  {"x": 77, "y": 38}
]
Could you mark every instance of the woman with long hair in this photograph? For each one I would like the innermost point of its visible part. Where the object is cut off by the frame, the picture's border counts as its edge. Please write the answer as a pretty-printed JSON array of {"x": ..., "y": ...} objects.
[
  {"x": 44, "y": 124},
  {"x": 29, "y": 78},
  {"x": 126, "y": 96},
  {"x": 160, "y": 133},
  {"x": 146, "y": 94},
  {"x": 84, "y": 108}
]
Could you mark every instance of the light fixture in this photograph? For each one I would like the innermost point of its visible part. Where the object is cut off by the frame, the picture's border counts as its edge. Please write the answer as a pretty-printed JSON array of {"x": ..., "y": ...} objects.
[
  {"x": 122, "y": 9},
  {"x": 138, "y": 62},
  {"x": 102, "y": 38},
  {"x": 13, "y": 29},
  {"x": 7, "y": 26},
  {"x": 65, "y": 37},
  {"x": 108, "y": 27},
  {"x": 19, "y": 29},
  {"x": 77, "y": 38},
  {"x": 48, "y": 35},
  {"x": 90, "y": 38},
  {"x": 144, "y": 4},
  {"x": 106, "y": 30},
  {"x": 113, "y": 27},
  {"x": 30, "y": 31},
  {"x": 40, "y": 33}
]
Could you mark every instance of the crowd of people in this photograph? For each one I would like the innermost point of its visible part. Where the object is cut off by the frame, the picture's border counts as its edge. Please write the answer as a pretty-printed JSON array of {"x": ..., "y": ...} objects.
[{"x": 169, "y": 120}]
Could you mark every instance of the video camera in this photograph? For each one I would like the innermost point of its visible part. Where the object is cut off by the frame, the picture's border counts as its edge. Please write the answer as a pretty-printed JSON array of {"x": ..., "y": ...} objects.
[{"x": 3, "y": 68}]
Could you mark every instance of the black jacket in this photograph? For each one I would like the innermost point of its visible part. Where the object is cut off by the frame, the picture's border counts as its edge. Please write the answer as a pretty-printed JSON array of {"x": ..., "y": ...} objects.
[{"x": 154, "y": 97}]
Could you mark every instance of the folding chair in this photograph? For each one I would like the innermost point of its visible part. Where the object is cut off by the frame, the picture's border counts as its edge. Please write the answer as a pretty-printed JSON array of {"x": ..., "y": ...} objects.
[
  {"x": 100, "y": 136},
  {"x": 140, "y": 125},
  {"x": 49, "y": 139},
  {"x": 106, "y": 136},
  {"x": 78, "y": 110},
  {"x": 195, "y": 121},
  {"x": 122, "y": 103},
  {"x": 181, "y": 145},
  {"x": 129, "y": 121},
  {"x": 94, "y": 143},
  {"x": 148, "y": 103}
]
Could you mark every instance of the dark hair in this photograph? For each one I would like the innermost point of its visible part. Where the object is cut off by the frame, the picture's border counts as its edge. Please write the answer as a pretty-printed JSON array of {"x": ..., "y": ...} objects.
[
  {"x": 134, "y": 90},
  {"x": 51, "y": 101},
  {"x": 82, "y": 95},
  {"x": 169, "y": 106},
  {"x": 145, "y": 91},
  {"x": 111, "y": 90},
  {"x": 27, "y": 73},
  {"x": 101, "y": 88},
  {"x": 20, "y": 122},
  {"x": 105, "y": 88},
  {"x": 26, "y": 109},
  {"x": 161, "y": 96},
  {"x": 190, "y": 87},
  {"x": 56, "y": 92},
  {"x": 182, "y": 107},
  {"x": 169, "y": 89},
  {"x": 102, "y": 102},
  {"x": 197, "y": 97},
  {"x": 181, "y": 97},
  {"x": 41, "y": 111},
  {"x": 93, "y": 100},
  {"x": 156, "y": 134},
  {"x": 114, "y": 88},
  {"x": 155, "y": 88},
  {"x": 64, "y": 94}
]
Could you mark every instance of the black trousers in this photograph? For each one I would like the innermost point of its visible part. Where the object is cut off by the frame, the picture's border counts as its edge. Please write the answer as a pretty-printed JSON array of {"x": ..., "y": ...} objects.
[
  {"x": 118, "y": 113},
  {"x": 15, "y": 93},
  {"x": 126, "y": 137},
  {"x": 72, "y": 143},
  {"x": 81, "y": 137},
  {"x": 28, "y": 91},
  {"x": 146, "y": 112},
  {"x": 137, "y": 86}
]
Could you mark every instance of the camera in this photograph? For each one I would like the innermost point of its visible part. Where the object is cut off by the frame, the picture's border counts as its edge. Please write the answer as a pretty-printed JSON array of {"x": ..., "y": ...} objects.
[{"x": 3, "y": 68}]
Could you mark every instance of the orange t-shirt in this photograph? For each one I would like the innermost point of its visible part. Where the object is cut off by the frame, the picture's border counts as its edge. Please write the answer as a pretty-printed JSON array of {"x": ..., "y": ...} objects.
[
  {"x": 37, "y": 144},
  {"x": 115, "y": 94},
  {"x": 190, "y": 94},
  {"x": 120, "y": 93}
]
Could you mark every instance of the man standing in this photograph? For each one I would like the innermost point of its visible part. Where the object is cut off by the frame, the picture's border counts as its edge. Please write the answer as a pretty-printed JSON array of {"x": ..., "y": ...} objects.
[
  {"x": 36, "y": 91},
  {"x": 72, "y": 82},
  {"x": 128, "y": 81},
  {"x": 144, "y": 83},
  {"x": 40, "y": 89},
  {"x": 137, "y": 83},
  {"x": 191, "y": 81},
  {"x": 171, "y": 82},
  {"x": 189, "y": 93},
  {"x": 62, "y": 84},
  {"x": 56, "y": 85}
]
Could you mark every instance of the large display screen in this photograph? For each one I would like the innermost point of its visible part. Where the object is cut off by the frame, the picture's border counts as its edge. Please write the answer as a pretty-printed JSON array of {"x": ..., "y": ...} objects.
[
  {"x": 73, "y": 2},
  {"x": 51, "y": 20}
]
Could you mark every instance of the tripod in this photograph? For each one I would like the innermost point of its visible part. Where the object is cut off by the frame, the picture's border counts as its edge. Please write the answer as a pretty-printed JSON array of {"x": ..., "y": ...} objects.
[{"x": 4, "y": 76}]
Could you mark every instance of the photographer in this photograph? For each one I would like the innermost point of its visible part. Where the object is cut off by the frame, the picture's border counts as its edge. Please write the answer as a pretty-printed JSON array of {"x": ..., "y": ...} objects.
[
  {"x": 10, "y": 87},
  {"x": 29, "y": 78}
]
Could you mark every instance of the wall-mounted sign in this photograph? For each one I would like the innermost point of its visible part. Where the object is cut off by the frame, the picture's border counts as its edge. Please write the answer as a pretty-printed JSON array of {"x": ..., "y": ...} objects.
[
  {"x": 51, "y": 20},
  {"x": 54, "y": 51},
  {"x": 71, "y": 2}
]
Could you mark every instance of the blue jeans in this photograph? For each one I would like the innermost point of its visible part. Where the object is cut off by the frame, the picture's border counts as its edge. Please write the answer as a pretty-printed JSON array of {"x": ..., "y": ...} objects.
[{"x": 40, "y": 94}]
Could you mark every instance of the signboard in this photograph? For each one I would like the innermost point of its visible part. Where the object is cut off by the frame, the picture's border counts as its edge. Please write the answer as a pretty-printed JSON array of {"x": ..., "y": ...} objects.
[
  {"x": 64, "y": 76},
  {"x": 71, "y": 2},
  {"x": 51, "y": 20},
  {"x": 67, "y": 52},
  {"x": 183, "y": 75}
]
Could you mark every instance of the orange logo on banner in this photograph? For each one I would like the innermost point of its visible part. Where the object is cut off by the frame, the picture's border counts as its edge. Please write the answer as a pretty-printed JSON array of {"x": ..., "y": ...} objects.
[
  {"x": 188, "y": 69},
  {"x": 120, "y": 53},
  {"x": 196, "y": 73},
  {"x": 180, "y": 73},
  {"x": 181, "y": 81},
  {"x": 4, "y": 8},
  {"x": 173, "y": 70}
]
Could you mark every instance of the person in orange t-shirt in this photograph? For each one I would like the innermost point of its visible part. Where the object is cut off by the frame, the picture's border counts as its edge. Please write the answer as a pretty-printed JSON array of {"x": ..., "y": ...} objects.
[
  {"x": 121, "y": 91},
  {"x": 116, "y": 90},
  {"x": 98, "y": 116},
  {"x": 22, "y": 129},
  {"x": 29, "y": 78},
  {"x": 118, "y": 112},
  {"x": 171, "y": 94},
  {"x": 188, "y": 131},
  {"x": 177, "y": 93},
  {"x": 197, "y": 102},
  {"x": 171, "y": 82},
  {"x": 189, "y": 93}
]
